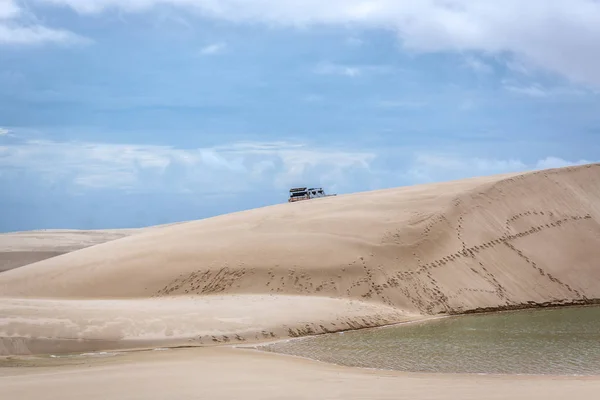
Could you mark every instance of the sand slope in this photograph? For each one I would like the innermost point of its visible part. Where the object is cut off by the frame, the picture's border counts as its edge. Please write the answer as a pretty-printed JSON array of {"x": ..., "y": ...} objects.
[
  {"x": 502, "y": 241},
  {"x": 62, "y": 326}
]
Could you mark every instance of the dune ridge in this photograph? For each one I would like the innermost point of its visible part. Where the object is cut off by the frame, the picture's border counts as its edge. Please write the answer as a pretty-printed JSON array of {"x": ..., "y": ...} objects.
[
  {"x": 27, "y": 247},
  {"x": 498, "y": 242}
]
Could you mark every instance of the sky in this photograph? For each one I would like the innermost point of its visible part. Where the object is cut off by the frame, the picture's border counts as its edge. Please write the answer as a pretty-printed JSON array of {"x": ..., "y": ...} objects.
[{"x": 129, "y": 113}]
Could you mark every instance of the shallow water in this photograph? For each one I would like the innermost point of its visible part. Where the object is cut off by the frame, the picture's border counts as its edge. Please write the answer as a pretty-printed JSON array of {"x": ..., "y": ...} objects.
[{"x": 564, "y": 341}]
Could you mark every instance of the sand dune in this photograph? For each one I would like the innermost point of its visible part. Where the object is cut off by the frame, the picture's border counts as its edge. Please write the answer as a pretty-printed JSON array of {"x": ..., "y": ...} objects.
[
  {"x": 27, "y": 247},
  {"x": 495, "y": 242},
  {"x": 22, "y": 248}
]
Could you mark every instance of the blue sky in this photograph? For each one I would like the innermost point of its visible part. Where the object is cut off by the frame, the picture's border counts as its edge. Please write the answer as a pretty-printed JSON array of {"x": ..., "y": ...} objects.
[{"x": 134, "y": 113}]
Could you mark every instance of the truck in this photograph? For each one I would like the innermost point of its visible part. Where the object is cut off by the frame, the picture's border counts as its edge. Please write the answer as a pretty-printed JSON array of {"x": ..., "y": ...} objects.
[{"x": 306, "y": 193}]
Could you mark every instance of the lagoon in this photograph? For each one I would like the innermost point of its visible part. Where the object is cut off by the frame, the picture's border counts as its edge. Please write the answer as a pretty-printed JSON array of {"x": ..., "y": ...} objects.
[{"x": 560, "y": 341}]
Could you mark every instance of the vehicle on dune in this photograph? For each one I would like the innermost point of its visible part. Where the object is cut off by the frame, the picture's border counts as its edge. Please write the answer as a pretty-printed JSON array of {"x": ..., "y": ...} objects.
[{"x": 305, "y": 193}]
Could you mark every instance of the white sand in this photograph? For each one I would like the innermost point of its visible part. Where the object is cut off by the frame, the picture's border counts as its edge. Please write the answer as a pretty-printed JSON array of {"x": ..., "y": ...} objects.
[{"x": 57, "y": 326}]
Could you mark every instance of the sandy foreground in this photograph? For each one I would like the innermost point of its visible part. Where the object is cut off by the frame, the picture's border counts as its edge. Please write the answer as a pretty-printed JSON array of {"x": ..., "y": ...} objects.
[
  {"x": 224, "y": 373},
  {"x": 325, "y": 265}
]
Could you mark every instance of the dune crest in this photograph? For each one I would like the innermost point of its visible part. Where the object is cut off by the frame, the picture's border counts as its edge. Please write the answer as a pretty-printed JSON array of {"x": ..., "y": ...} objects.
[
  {"x": 495, "y": 242},
  {"x": 22, "y": 248},
  {"x": 27, "y": 247}
]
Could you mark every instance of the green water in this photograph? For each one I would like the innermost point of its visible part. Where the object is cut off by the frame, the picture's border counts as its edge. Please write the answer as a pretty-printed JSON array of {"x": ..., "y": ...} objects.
[{"x": 563, "y": 341}]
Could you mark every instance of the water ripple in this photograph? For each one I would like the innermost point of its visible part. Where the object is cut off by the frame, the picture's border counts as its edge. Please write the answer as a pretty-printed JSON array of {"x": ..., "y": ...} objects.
[{"x": 562, "y": 341}]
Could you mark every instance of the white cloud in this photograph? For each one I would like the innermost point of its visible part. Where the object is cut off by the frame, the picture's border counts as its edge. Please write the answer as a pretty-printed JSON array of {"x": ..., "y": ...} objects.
[
  {"x": 555, "y": 162},
  {"x": 230, "y": 168},
  {"x": 431, "y": 167},
  {"x": 531, "y": 90},
  {"x": 519, "y": 67},
  {"x": 214, "y": 48},
  {"x": 327, "y": 68},
  {"x": 352, "y": 71},
  {"x": 478, "y": 66},
  {"x": 239, "y": 168},
  {"x": 4, "y": 131},
  {"x": 401, "y": 104},
  {"x": 354, "y": 41},
  {"x": 8, "y": 9},
  {"x": 16, "y": 30},
  {"x": 26, "y": 35},
  {"x": 560, "y": 36},
  {"x": 536, "y": 90}
]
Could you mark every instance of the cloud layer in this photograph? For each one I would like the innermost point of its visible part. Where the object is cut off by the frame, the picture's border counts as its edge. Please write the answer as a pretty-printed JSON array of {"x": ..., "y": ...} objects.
[
  {"x": 559, "y": 36},
  {"x": 432, "y": 167},
  {"x": 49, "y": 184},
  {"x": 17, "y": 27},
  {"x": 239, "y": 167}
]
